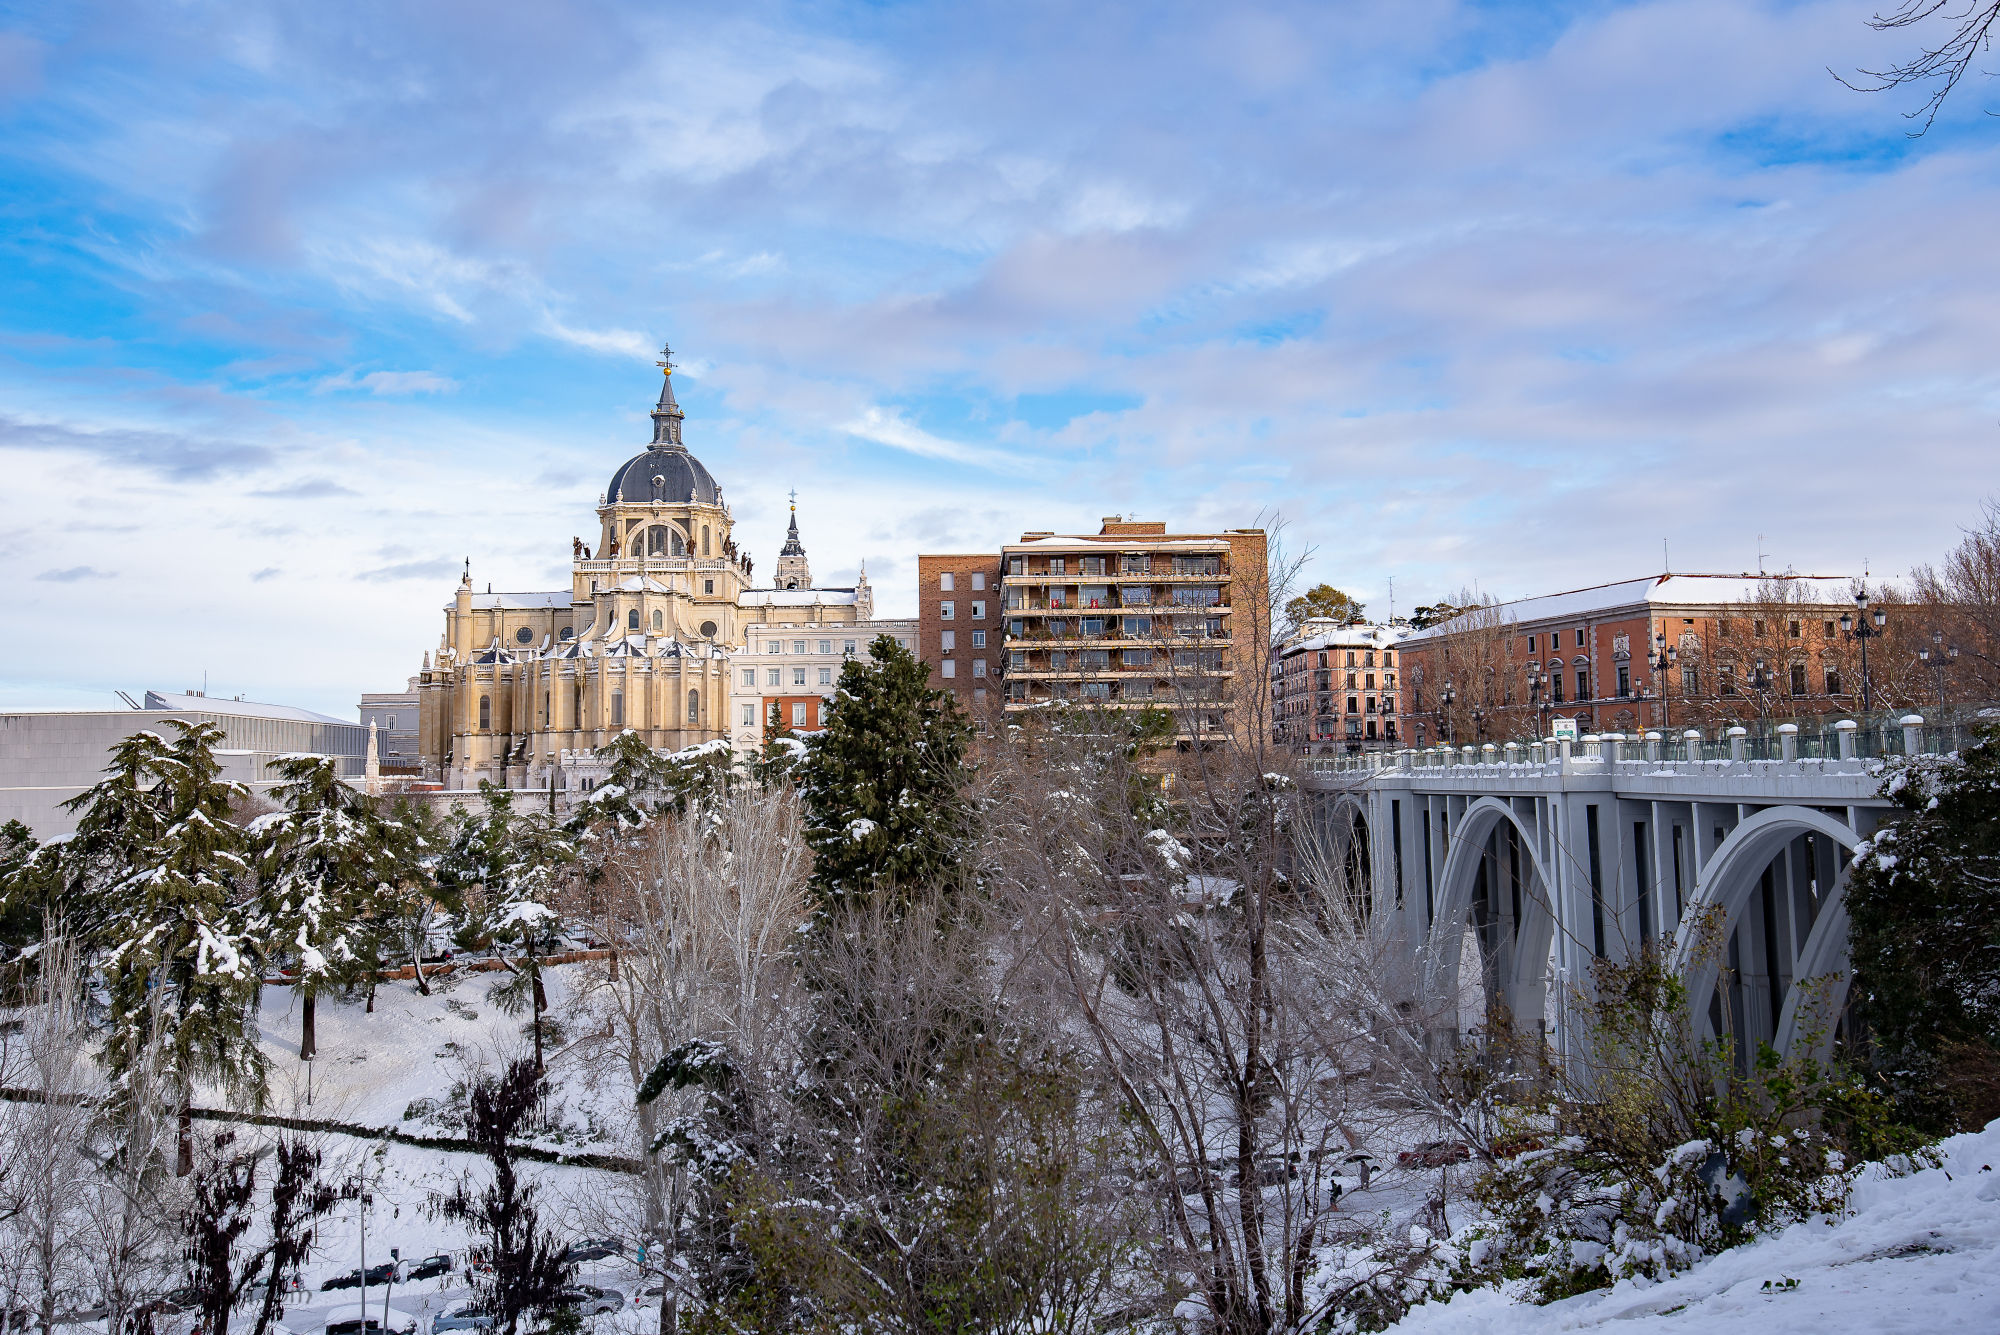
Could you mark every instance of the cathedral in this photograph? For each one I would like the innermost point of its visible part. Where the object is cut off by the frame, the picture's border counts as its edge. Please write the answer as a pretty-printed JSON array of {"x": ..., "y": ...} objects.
[{"x": 522, "y": 684}]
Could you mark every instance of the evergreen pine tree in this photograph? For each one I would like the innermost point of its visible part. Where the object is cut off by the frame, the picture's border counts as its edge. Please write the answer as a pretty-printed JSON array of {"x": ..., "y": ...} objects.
[
  {"x": 1923, "y": 903},
  {"x": 322, "y": 862},
  {"x": 176, "y": 917},
  {"x": 883, "y": 783}
]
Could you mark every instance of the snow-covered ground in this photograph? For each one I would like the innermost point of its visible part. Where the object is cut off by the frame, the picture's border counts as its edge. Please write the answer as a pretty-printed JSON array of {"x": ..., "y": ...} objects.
[{"x": 1919, "y": 1253}]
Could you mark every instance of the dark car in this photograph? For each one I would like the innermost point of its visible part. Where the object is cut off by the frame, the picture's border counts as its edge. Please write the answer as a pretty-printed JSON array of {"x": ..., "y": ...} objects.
[
  {"x": 350, "y": 1280},
  {"x": 1435, "y": 1154},
  {"x": 593, "y": 1249},
  {"x": 431, "y": 1267},
  {"x": 589, "y": 1299}
]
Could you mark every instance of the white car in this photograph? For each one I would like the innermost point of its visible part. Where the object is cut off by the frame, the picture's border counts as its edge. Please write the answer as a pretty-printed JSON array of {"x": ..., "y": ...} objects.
[{"x": 350, "y": 1322}]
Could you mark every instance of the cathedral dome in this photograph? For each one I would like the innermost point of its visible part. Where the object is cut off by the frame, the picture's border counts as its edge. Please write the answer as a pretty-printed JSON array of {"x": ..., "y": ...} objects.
[{"x": 664, "y": 472}]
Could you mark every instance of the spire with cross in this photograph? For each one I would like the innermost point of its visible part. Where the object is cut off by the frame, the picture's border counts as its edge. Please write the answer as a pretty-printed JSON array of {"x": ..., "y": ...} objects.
[{"x": 667, "y": 416}]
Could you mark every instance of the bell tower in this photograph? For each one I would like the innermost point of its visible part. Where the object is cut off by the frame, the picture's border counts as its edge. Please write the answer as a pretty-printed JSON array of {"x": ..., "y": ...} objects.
[{"x": 793, "y": 572}]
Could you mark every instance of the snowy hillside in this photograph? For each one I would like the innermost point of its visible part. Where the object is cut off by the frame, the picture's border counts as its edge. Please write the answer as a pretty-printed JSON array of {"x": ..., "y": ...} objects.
[{"x": 1918, "y": 1253}]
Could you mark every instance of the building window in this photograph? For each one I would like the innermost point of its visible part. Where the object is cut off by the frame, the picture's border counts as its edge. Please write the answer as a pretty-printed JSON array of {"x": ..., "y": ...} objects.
[
  {"x": 749, "y": 676},
  {"x": 826, "y": 676},
  {"x": 799, "y": 714},
  {"x": 708, "y": 586},
  {"x": 567, "y": 633},
  {"x": 1017, "y": 565},
  {"x": 978, "y": 695},
  {"x": 978, "y": 610},
  {"x": 749, "y": 716},
  {"x": 632, "y": 619},
  {"x": 1624, "y": 681},
  {"x": 1353, "y": 705},
  {"x": 979, "y": 639},
  {"x": 847, "y": 647},
  {"x": 826, "y": 646},
  {"x": 1058, "y": 565},
  {"x": 1018, "y": 661},
  {"x": 1829, "y": 630},
  {"x": 618, "y": 709},
  {"x": 1792, "y": 630},
  {"x": 978, "y": 667},
  {"x": 694, "y": 706},
  {"x": 979, "y": 579},
  {"x": 485, "y": 713},
  {"x": 944, "y": 581},
  {"x": 1583, "y": 683},
  {"x": 1138, "y": 658},
  {"x": 390, "y": 726},
  {"x": 659, "y": 620},
  {"x": 1832, "y": 679},
  {"x": 774, "y": 646},
  {"x": 704, "y": 540},
  {"x": 1555, "y": 688},
  {"x": 1579, "y": 637},
  {"x": 945, "y": 610},
  {"x": 948, "y": 668},
  {"x": 1136, "y": 627},
  {"x": 798, "y": 676},
  {"x": 1798, "y": 679},
  {"x": 1531, "y": 646},
  {"x": 772, "y": 677},
  {"x": 1690, "y": 680},
  {"x": 947, "y": 640},
  {"x": 798, "y": 646},
  {"x": 1725, "y": 677}
]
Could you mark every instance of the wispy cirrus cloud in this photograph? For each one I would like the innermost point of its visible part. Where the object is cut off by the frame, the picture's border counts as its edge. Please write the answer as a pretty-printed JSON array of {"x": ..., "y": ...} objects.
[
  {"x": 73, "y": 575},
  {"x": 387, "y": 384}
]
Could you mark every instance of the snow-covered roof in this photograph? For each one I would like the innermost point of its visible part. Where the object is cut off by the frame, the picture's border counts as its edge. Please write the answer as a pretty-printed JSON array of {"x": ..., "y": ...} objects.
[
  {"x": 1133, "y": 541},
  {"x": 518, "y": 601},
  {"x": 208, "y": 704},
  {"x": 1353, "y": 636},
  {"x": 1655, "y": 593},
  {"x": 793, "y": 597}
]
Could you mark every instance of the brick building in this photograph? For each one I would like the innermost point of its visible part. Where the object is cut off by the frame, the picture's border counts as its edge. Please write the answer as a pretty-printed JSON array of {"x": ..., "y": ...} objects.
[
  {"x": 1665, "y": 651},
  {"x": 1333, "y": 687},
  {"x": 958, "y": 625}
]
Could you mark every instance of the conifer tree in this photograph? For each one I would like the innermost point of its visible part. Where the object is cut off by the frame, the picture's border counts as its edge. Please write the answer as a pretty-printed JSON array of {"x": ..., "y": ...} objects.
[
  {"x": 323, "y": 862},
  {"x": 177, "y": 920},
  {"x": 883, "y": 783}
]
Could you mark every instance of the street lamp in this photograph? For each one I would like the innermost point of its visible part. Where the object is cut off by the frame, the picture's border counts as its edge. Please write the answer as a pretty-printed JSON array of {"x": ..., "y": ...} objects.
[
  {"x": 1445, "y": 697},
  {"x": 1944, "y": 656},
  {"x": 1538, "y": 683},
  {"x": 1760, "y": 683},
  {"x": 1858, "y": 626},
  {"x": 1664, "y": 656}
]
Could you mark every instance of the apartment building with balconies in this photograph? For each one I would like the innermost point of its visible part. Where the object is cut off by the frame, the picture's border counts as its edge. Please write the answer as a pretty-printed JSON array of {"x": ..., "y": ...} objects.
[
  {"x": 1334, "y": 688},
  {"x": 1134, "y": 617}
]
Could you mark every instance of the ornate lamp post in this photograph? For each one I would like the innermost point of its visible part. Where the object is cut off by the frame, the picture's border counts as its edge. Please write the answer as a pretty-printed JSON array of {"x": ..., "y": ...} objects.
[
  {"x": 1538, "y": 684},
  {"x": 1663, "y": 658},
  {"x": 1445, "y": 697},
  {"x": 1858, "y": 627},
  {"x": 1760, "y": 682},
  {"x": 1938, "y": 656}
]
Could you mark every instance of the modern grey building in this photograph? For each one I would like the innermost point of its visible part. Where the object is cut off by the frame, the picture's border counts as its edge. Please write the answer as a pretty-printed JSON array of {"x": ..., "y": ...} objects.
[
  {"x": 46, "y": 758},
  {"x": 394, "y": 714}
]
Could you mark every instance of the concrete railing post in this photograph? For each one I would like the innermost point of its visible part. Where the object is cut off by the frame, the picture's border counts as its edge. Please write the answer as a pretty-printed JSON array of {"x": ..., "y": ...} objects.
[
  {"x": 1537, "y": 753},
  {"x": 1471, "y": 756},
  {"x": 1738, "y": 744},
  {"x": 1614, "y": 746},
  {"x": 1788, "y": 741},
  {"x": 1913, "y": 734},
  {"x": 1845, "y": 730},
  {"x": 1513, "y": 753},
  {"x": 1692, "y": 738},
  {"x": 1489, "y": 754},
  {"x": 1652, "y": 748},
  {"x": 1562, "y": 748}
]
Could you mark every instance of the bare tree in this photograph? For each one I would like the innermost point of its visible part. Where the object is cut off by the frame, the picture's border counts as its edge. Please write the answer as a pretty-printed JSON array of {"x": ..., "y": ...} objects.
[{"x": 1938, "y": 67}]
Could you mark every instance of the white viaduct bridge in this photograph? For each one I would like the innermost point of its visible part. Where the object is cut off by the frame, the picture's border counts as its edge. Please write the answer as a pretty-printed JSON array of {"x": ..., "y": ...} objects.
[{"x": 1551, "y": 855}]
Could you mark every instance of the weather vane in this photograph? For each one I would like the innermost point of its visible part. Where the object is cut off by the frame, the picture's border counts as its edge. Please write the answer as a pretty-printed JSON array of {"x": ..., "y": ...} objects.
[
  {"x": 795, "y": 498},
  {"x": 666, "y": 362}
]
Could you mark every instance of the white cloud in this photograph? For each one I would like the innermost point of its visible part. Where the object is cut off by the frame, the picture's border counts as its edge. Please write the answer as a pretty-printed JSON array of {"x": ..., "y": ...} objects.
[{"x": 388, "y": 384}]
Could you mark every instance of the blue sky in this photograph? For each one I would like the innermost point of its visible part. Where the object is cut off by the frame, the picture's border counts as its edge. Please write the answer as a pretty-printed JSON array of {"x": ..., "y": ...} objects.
[{"x": 302, "y": 305}]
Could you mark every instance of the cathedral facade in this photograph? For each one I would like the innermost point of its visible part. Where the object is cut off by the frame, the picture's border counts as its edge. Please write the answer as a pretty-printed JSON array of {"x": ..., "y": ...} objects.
[{"x": 643, "y": 637}]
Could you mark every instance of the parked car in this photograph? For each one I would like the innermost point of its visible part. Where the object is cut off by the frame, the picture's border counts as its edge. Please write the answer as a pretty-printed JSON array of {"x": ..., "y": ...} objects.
[
  {"x": 431, "y": 1267},
  {"x": 590, "y": 1300},
  {"x": 398, "y": 1323},
  {"x": 350, "y": 1280},
  {"x": 593, "y": 1249},
  {"x": 466, "y": 1316},
  {"x": 1513, "y": 1147},
  {"x": 1435, "y": 1154}
]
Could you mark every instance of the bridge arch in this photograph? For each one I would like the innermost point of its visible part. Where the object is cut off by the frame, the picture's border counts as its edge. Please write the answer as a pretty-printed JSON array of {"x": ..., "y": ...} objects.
[
  {"x": 1519, "y": 958},
  {"x": 1723, "y": 895}
]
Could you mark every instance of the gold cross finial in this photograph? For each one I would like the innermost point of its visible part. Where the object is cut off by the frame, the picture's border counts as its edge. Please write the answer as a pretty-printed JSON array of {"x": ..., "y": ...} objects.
[
  {"x": 795, "y": 498},
  {"x": 666, "y": 362}
]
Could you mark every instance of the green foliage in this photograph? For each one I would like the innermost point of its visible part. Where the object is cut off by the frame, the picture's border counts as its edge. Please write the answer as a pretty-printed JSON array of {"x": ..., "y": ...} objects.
[
  {"x": 1651, "y": 1151},
  {"x": 1923, "y": 905},
  {"x": 1324, "y": 602},
  {"x": 1437, "y": 613},
  {"x": 883, "y": 783},
  {"x": 22, "y": 897}
]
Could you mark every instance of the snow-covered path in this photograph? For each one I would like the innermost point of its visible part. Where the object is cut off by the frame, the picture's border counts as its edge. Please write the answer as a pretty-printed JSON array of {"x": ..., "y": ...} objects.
[{"x": 1918, "y": 1254}]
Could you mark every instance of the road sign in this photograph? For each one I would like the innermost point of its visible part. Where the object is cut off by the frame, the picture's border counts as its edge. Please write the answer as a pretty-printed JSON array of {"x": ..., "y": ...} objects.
[{"x": 1562, "y": 729}]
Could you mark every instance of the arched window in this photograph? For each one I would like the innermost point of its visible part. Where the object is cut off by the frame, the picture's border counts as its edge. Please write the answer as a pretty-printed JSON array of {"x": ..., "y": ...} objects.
[
  {"x": 485, "y": 713},
  {"x": 704, "y": 540},
  {"x": 659, "y": 620},
  {"x": 680, "y": 547},
  {"x": 657, "y": 541},
  {"x": 694, "y": 706},
  {"x": 618, "y": 709},
  {"x": 632, "y": 619}
]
